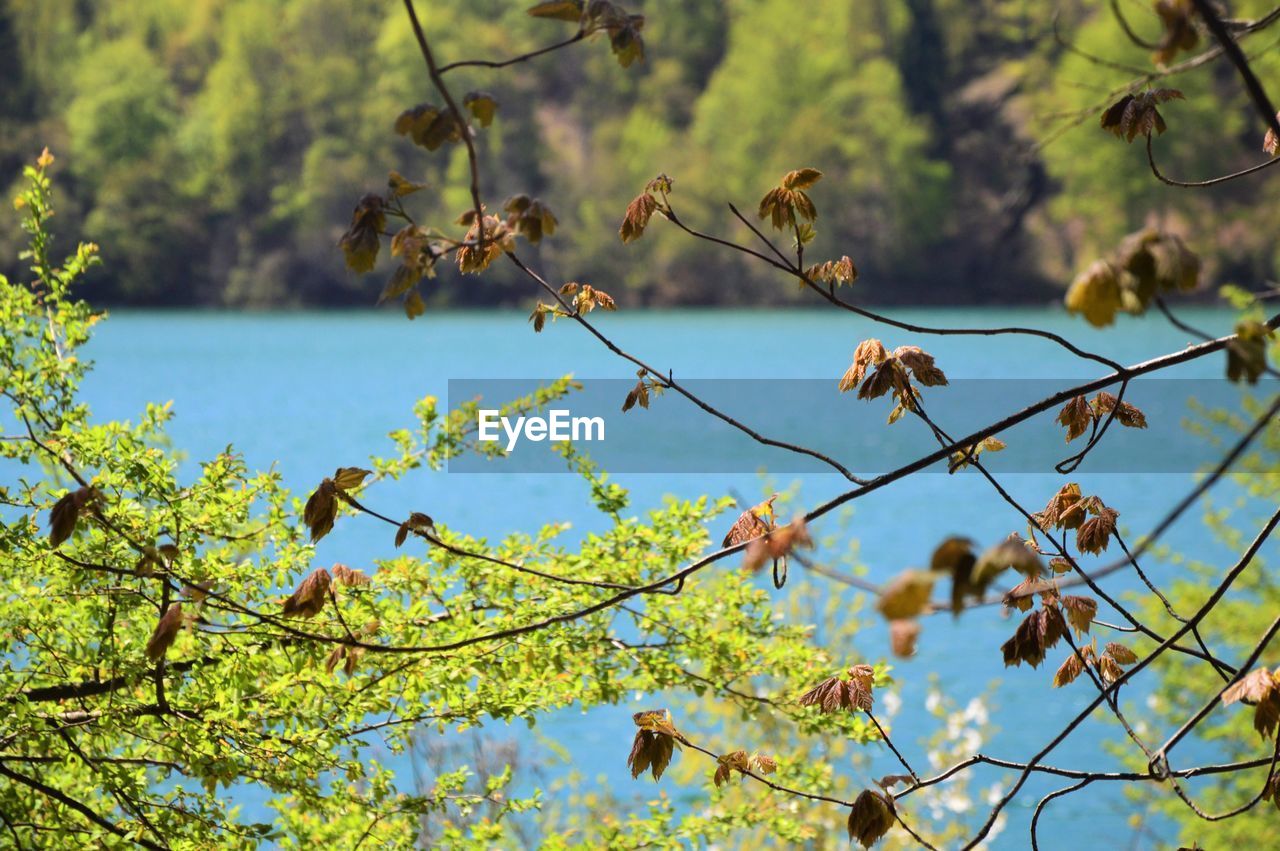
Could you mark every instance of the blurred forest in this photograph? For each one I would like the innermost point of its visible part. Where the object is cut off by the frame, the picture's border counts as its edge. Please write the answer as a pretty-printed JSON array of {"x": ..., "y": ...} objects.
[{"x": 215, "y": 148}]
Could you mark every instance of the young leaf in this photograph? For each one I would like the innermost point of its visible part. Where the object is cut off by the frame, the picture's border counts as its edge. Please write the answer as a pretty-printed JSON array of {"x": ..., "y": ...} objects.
[
  {"x": 166, "y": 631},
  {"x": 639, "y": 211},
  {"x": 1136, "y": 114},
  {"x": 838, "y": 272},
  {"x": 1179, "y": 32},
  {"x": 529, "y": 217},
  {"x": 309, "y": 599},
  {"x": 1095, "y": 293},
  {"x": 752, "y": 523},
  {"x": 1071, "y": 668},
  {"x": 1258, "y": 685},
  {"x": 921, "y": 365},
  {"x": 560, "y": 10},
  {"x": 1109, "y": 669},
  {"x": 400, "y": 187},
  {"x": 350, "y": 478},
  {"x": 321, "y": 510},
  {"x": 482, "y": 106},
  {"x": 1064, "y": 510},
  {"x": 361, "y": 241},
  {"x": 65, "y": 513},
  {"x": 1095, "y": 533},
  {"x": 835, "y": 694},
  {"x": 1038, "y": 632},
  {"x": 802, "y": 178},
  {"x": 906, "y": 595},
  {"x": 1080, "y": 611},
  {"x": 414, "y": 306},
  {"x": 1076, "y": 416},
  {"x": 343, "y": 575},
  {"x": 868, "y": 354},
  {"x": 654, "y": 743},
  {"x": 1127, "y": 415},
  {"x": 902, "y": 637},
  {"x": 1247, "y": 353},
  {"x": 625, "y": 41},
  {"x": 1121, "y": 654},
  {"x": 870, "y": 817}
]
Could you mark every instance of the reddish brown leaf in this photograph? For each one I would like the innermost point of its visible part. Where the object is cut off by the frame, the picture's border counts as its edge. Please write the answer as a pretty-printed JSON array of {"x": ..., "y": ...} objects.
[
  {"x": 1076, "y": 416},
  {"x": 321, "y": 509},
  {"x": 1080, "y": 611},
  {"x": 902, "y": 637},
  {"x": 1038, "y": 632},
  {"x": 1109, "y": 669},
  {"x": 870, "y": 817},
  {"x": 1123, "y": 655},
  {"x": 869, "y": 353},
  {"x": 309, "y": 599},
  {"x": 165, "y": 633},
  {"x": 1136, "y": 115},
  {"x": 1127, "y": 415},
  {"x": 65, "y": 513},
  {"x": 889, "y": 376},
  {"x": 1257, "y": 685},
  {"x": 1179, "y": 32},
  {"x": 752, "y": 523},
  {"x": 343, "y": 575},
  {"x": 841, "y": 271},
  {"x": 1071, "y": 668},
  {"x": 1064, "y": 510},
  {"x": 921, "y": 365},
  {"x": 654, "y": 743},
  {"x": 836, "y": 694},
  {"x": 1095, "y": 533}
]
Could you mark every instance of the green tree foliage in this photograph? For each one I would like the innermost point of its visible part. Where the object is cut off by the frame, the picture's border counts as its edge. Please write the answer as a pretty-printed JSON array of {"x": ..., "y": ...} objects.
[
  {"x": 168, "y": 634},
  {"x": 234, "y": 133}
]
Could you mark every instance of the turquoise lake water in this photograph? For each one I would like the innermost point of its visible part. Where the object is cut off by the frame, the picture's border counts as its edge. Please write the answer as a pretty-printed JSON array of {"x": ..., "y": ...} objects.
[{"x": 312, "y": 391}]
